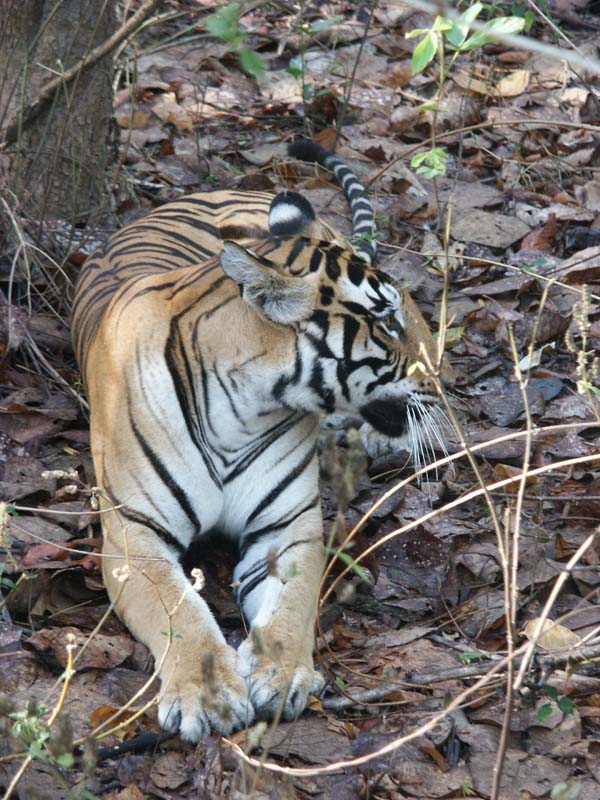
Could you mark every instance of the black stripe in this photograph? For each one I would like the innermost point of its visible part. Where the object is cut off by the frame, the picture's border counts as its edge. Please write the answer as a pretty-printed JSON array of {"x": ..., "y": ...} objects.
[
  {"x": 283, "y": 484},
  {"x": 226, "y": 392},
  {"x": 188, "y": 401},
  {"x": 164, "y": 474},
  {"x": 265, "y": 441},
  {"x": 298, "y": 247},
  {"x": 161, "y": 532},
  {"x": 142, "y": 519},
  {"x": 244, "y": 591},
  {"x": 253, "y": 537}
]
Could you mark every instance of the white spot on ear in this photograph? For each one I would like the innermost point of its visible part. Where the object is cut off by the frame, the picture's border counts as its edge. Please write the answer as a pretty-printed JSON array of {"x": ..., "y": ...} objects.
[
  {"x": 290, "y": 213},
  {"x": 285, "y": 214}
]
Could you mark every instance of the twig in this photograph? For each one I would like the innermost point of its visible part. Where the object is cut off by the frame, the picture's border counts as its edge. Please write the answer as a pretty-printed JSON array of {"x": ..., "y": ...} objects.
[
  {"x": 474, "y": 493},
  {"x": 551, "y": 662},
  {"x": 45, "y": 94},
  {"x": 553, "y": 26}
]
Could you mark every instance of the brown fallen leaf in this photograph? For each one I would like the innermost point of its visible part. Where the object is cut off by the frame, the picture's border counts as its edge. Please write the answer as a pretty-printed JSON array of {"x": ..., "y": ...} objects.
[
  {"x": 133, "y": 119},
  {"x": 130, "y": 792},
  {"x": 513, "y": 57},
  {"x": 543, "y": 238},
  {"x": 101, "y": 652},
  {"x": 484, "y": 227},
  {"x": 310, "y": 740},
  {"x": 41, "y": 553},
  {"x": 581, "y": 267},
  {"x": 503, "y": 471},
  {"x": 169, "y": 770},
  {"x": 101, "y": 715},
  {"x": 522, "y": 775},
  {"x": 553, "y": 636},
  {"x": 510, "y": 85}
]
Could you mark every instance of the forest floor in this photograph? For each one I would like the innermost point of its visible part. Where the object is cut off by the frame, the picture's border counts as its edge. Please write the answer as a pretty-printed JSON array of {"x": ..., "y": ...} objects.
[{"x": 414, "y": 650}]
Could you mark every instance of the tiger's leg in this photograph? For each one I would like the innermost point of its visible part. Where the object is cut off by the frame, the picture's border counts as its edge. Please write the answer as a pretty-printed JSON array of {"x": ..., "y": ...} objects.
[
  {"x": 202, "y": 687},
  {"x": 278, "y": 582}
]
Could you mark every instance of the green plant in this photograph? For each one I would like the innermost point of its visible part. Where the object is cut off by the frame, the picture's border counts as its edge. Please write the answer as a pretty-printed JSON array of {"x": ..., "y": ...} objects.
[
  {"x": 51, "y": 746},
  {"x": 521, "y": 9},
  {"x": 430, "y": 163},
  {"x": 470, "y": 655},
  {"x": 297, "y": 65},
  {"x": 563, "y": 703},
  {"x": 451, "y": 36},
  {"x": 566, "y": 791},
  {"x": 225, "y": 25},
  {"x": 5, "y": 583}
]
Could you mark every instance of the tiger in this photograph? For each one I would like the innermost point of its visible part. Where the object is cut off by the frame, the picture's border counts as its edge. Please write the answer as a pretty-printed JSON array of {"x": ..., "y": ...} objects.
[{"x": 212, "y": 335}]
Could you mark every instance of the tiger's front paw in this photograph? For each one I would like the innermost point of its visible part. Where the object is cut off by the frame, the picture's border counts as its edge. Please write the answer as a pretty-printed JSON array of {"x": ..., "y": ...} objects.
[
  {"x": 278, "y": 690},
  {"x": 210, "y": 694}
]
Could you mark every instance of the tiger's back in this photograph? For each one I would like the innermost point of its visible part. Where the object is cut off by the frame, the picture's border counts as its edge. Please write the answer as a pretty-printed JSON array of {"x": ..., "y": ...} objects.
[{"x": 183, "y": 233}]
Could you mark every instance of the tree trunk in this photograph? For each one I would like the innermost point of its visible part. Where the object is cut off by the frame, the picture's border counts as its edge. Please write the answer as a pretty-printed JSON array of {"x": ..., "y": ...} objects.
[{"x": 57, "y": 167}]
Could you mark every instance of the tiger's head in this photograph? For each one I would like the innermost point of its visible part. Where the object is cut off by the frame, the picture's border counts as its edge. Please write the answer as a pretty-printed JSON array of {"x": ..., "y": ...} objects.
[{"x": 362, "y": 345}]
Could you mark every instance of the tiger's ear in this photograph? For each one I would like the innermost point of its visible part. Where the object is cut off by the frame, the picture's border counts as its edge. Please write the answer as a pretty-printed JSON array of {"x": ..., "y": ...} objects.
[
  {"x": 281, "y": 298},
  {"x": 291, "y": 214}
]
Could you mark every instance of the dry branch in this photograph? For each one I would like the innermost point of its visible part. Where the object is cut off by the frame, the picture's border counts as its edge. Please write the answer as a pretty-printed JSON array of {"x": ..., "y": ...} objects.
[{"x": 545, "y": 662}]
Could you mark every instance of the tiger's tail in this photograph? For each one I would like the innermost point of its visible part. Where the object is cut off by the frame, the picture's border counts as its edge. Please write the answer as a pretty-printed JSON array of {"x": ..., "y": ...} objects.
[{"x": 363, "y": 216}]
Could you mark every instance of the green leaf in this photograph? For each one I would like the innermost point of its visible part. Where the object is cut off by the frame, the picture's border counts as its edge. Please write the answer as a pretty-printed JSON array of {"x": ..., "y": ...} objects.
[
  {"x": 544, "y": 711},
  {"x": 65, "y": 760},
  {"x": 429, "y": 107},
  {"x": 550, "y": 691},
  {"x": 529, "y": 18},
  {"x": 251, "y": 63},
  {"x": 308, "y": 92},
  {"x": 225, "y": 24},
  {"x": 566, "y": 705},
  {"x": 424, "y": 52},
  {"x": 340, "y": 682},
  {"x": 323, "y": 25},
  {"x": 36, "y": 750},
  {"x": 416, "y": 32},
  {"x": 296, "y": 66},
  {"x": 431, "y": 163},
  {"x": 469, "y": 655},
  {"x": 492, "y": 29},
  {"x": 350, "y": 562},
  {"x": 566, "y": 791},
  {"x": 441, "y": 24},
  {"x": 460, "y": 28}
]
